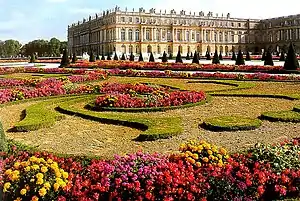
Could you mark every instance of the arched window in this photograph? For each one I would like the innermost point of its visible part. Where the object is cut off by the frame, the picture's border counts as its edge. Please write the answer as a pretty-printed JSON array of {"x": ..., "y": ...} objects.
[
  {"x": 123, "y": 35},
  {"x": 149, "y": 49},
  {"x": 130, "y": 35},
  {"x": 123, "y": 49},
  {"x": 147, "y": 34},
  {"x": 187, "y": 36},
  {"x": 137, "y": 35},
  {"x": 158, "y": 50},
  {"x": 130, "y": 49}
]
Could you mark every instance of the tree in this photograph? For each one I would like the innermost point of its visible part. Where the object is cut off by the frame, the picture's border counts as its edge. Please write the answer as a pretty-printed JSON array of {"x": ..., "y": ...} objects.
[
  {"x": 164, "y": 57},
  {"x": 207, "y": 55},
  {"x": 195, "y": 58},
  {"x": 32, "y": 58},
  {"x": 220, "y": 56},
  {"x": 268, "y": 59},
  {"x": 131, "y": 58},
  {"x": 108, "y": 57},
  {"x": 233, "y": 56},
  {"x": 248, "y": 58},
  {"x": 216, "y": 58},
  {"x": 170, "y": 56},
  {"x": 53, "y": 47},
  {"x": 151, "y": 58},
  {"x": 282, "y": 57},
  {"x": 291, "y": 61},
  {"x": 97, "y": 57},
  {"x": 64, "y": 60},
  {"x": 141, "y": 57},
  {"x": 123, "y": 57},
  {"x": 187, "y": 56},
  {"x": 92, "y": 57},
  {"x": 102, "y": 57},
  {"x": 116, "y": 57},
  {"x": 178, "y": 57},
  {"x": 240, "y": 59},
  {"x": 11, "y": 48},
  {"x": 74, "y": 58}
]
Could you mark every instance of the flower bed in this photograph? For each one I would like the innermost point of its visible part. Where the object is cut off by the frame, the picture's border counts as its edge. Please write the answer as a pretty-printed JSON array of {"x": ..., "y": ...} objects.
[
  {"x": 176, "y": 66},
  {"x": 143, "y": 96},
  {"x": 199, "y": 171}
]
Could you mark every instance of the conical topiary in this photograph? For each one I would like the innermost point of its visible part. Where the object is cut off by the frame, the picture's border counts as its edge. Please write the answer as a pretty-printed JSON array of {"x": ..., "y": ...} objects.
[
  {"x": 97, "y": 57},
  {"x": 282, "y": 57},
  {"x": 178, "y": 58},
  {"x": 32, "y": 58},
  {"x": 141, "y": 57},
  {"x": 195, "y": 58},
  {"x": 291, "y": 61},
  {"x": 198, "y": 55},
  {"x": 116, "y": 57},
  {"x": 263, "y": 56},
  {"x": 187, "y": 56},
  {"x": 123, "y": 57},
  {"x": 208, "y": 55},
  {"x": 191, "y": 55},
  {"x": 164, "y": 57},
  {"x": 64, "y": 60},
  {"x": 233, "y": 57},
  {"x": 92, "y": 57},
  {"x": 248, "y": 58},
  {"x": 103, "y": 57},
  {"x": 74, "y": 58},
  {"x": 170, "y": 56},
  {"x": 240, "y": 59},
  {"x": 108, "y": 57},
  {"x": 131, "y": 58},
  {"x": 277, "y": 54},
  {"x": 220, "y": 56},
  {"x": 151, "y": 58},
  {"x": 216, "y": 58},
  {"x": 268, "y": 59}
]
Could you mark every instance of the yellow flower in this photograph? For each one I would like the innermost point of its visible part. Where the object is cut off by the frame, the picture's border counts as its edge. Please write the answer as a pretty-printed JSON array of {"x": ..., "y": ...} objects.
[
  {"x": 58, "y": 174},
  {"x": 32, "y": 180},
  {"x": 33, "y": 159},
  {"x": 35, "y": 167},
  {"x": 220, "y": 165},
  {"x": 44, "y": 169},
  {"x": 63, "y": 184},
  {"x": 223, "y": 151},
  {"x": 42, "y": 192},
  {"x": 226, "y": 156},
  {"x": 219, "y": 156},
  {"x": 23, "y": 191},
  {"x": 198, "y": 164},
  {"x": 195, "y": 156},
  {"x": 49, "y": 161},
  {"x": 34, "y": 198},
  {"x": 209, "y": 152},
  {"x": 66, "y": 175},
  {"x": 8, "y": 172},
  {"x": 27, "y": 169},
  {"x": 6, "y": 187},
  {"x": 17, "y": 165},
  {"x": 47, "y": 185},
  {"x": 15, "y": 175},
  {"x": 18, "y": 199},
  {"x": 56, "y": 186},
  {"x": 39, "y": 175},
  {"x": 39, "y": 181},
  {"x": 190, "y": 160},
  {"x": 205, "y": 159}
]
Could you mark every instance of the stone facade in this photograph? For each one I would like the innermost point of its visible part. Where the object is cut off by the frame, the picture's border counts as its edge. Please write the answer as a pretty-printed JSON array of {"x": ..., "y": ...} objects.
[{"x": 159, "y": 31}]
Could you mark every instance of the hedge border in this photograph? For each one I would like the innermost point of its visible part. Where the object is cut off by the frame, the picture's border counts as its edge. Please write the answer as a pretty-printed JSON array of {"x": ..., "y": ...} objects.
[
  {"x": 278, "y": 96},
  {"x": 213, "y": 124},
  {"x": 3, "y": 141},
  {"x": 296, "y": 108},
  {"x": 153, "y": 128},
  {"x": 282, "y": 116}
]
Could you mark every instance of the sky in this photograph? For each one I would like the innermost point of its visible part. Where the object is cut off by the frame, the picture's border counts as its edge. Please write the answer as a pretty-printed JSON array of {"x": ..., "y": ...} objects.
[{"x": 27, "y": 20}]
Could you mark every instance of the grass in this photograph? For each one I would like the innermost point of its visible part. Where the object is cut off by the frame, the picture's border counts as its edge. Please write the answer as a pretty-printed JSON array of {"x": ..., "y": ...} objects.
[
  {"x": 283, "y": 116},
  {"x": 40, "y": 115},
  {"x": 153, "y": 127},
  {"x": 231, "y": 123}
]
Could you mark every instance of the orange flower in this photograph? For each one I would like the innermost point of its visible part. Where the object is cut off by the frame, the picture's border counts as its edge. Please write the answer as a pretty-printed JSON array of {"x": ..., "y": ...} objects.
[{"x": 205, "y": 159}]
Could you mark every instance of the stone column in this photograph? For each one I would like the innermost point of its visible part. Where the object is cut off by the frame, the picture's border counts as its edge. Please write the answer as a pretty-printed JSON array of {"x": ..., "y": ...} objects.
[{"x": 152, "y": 34}]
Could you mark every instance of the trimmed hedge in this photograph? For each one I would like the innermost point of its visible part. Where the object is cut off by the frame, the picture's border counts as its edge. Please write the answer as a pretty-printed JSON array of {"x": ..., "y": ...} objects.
[
  {"x": 283, "y": 116},
  {"x": 296, "y": 108},
  {"x": 153, "y": 127},
  {"x": 92, "y": 106},
  {"x": 287, "y": 97},
  {"x": 231, "y": 123},
  {"x": 3, "y": 142},
  {"x": 40, "y": 115}
]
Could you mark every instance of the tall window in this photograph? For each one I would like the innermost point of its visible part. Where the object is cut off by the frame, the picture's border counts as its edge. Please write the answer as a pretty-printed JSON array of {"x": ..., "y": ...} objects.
[
  {"x": 149, "y": 49},
  {"x": 207, "y": 36},
  {"x": 187, "y": 36},
  {"x": 147, "y": 34},
  {"x": 130, "y": 35},
  {"x": 137, "y": 50},
  {"x": 137, "y": 35},
  {"x": 130, "y": 49},
  {"x": 220, "y": 37},
  {"x": 178, "y": 36},
  {"x": 123, "y": 48},
  {"x": 158, "y": 34},
  {"x": 193, "y": 36},
  {"x": 232, "y": 36},
  {"x": 226, "y": 37},
  {"x": 198, "y": 37},
  {"x": 215, "y": 37},
  {"x": 169, "y": 35},
  {"x": 123, "y": 34},
  {"x": 169, "y": 49},
  {"x": 158, "y": 49}
]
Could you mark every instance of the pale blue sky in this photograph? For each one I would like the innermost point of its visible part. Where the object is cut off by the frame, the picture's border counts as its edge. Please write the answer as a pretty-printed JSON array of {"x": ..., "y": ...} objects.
[{"x": 26, "y": 20}]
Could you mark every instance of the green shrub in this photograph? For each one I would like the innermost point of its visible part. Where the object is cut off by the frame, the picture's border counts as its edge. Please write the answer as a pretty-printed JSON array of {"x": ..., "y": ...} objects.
[
  {"x": 178, "y": 58},
  {"x": 240, "y": 59},
  {"x": 195, "y": 58},
  {"x": 151, "y": 58},
  {"x": 231, "y": 123},
  {"x": 164, "y": 57},
  {"x": 116, "y": 57},
  {"x": 291, "y": 62},
  {"x": 92, "y": 57},
  {"x": 216, "y": 58},
  {"x": 284, "y": 116},
  {"x": 280, "y": 157},
  {"x": 268, "y": 59},
  {"x": 141, "y": 57}
]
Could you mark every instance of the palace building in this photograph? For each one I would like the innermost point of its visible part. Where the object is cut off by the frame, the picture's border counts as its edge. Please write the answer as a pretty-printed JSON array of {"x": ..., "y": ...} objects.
[{"x": 159, "y": 31}]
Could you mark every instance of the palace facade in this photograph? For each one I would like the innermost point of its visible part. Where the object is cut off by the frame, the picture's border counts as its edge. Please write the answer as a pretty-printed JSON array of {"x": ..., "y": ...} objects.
[{"x": 159, "y": 31}]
